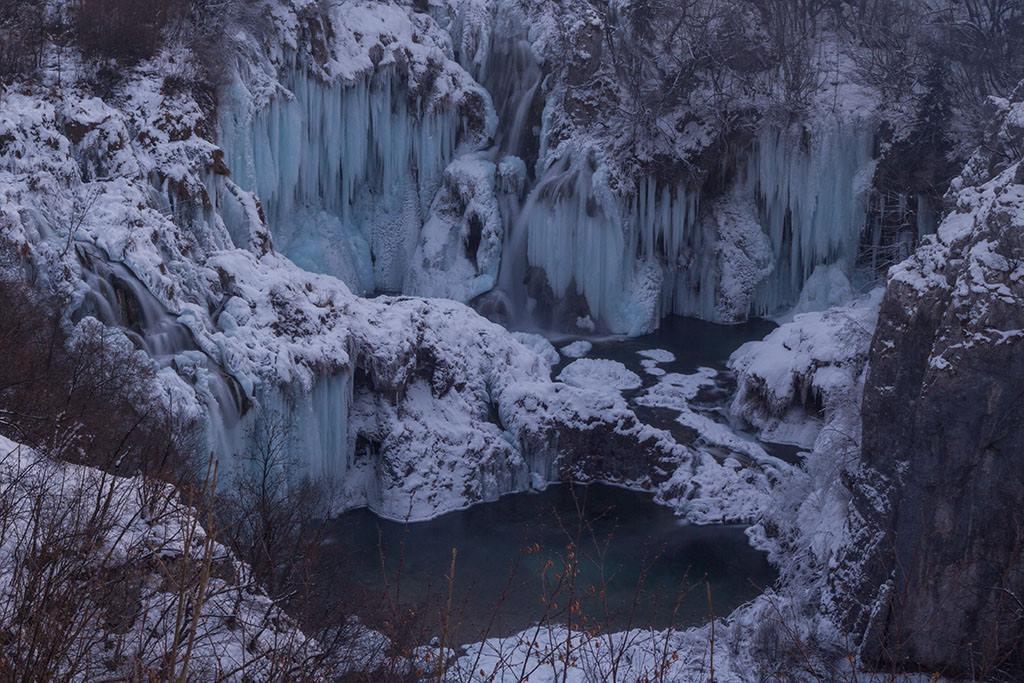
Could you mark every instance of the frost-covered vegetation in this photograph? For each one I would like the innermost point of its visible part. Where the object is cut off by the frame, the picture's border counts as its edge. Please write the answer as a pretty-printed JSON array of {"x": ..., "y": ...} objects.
[{"x": 241, "y": 245}]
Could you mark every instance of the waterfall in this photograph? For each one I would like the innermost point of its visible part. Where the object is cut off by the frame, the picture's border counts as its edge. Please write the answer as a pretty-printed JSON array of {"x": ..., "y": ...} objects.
[
  {"x": 588, "y": 241},
  {"x": 314, "y": 424},
  {"x": 117, "y": 298},
  {"x": 511, "y": 72},
  {"x": 314, "y": 419},
  {"x": 638, "y": 256}
]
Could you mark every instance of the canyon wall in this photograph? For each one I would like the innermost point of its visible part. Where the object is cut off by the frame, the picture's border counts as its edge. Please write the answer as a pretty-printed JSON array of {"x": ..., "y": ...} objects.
[{"x": 935, "y": 570}]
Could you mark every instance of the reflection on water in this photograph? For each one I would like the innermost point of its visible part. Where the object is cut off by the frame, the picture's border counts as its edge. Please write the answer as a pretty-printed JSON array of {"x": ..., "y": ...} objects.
[{"x": 629, "y": 561}]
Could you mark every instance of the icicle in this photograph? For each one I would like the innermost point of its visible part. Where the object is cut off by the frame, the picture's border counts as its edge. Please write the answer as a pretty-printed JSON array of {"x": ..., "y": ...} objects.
[
  {"x": 812, "y": 201},
  {"x": 584, "y": 236},
  {"x": 315, "y": 424},
  {"x": 346, "y": 173}
]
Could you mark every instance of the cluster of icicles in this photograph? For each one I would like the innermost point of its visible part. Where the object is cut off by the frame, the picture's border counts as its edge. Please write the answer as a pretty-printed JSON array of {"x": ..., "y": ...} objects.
[
  {"x": 809, "y": 204},
  {"x": 347, "y": 173}
]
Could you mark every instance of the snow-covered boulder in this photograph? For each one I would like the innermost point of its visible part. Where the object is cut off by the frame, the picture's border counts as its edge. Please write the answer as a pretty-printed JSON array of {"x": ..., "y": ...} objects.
[
  {"x": 576, "y": 349},
  {"x": 539, "y": 345},
  {"x": 791, "y": 381},
  {"x": 597, "y": 373}
]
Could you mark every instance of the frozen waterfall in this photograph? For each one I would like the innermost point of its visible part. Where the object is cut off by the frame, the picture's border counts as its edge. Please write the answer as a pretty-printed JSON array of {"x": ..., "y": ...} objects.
[
  {"x": 812, "y": 197},
  {"x": 346, "y": 171},
  {"x": 661, "y": 250}
]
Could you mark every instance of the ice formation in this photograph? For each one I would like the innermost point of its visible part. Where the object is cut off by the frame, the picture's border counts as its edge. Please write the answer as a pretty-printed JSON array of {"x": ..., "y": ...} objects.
[
  {"x": 347, "y": 157},
  {"x": 634, "y": 258},
  {"x": 335, "y": 195},
  {"x": 675, "y": 390},
  {"x": 658, "y": 355},
  {"x": 812, "y": 202}
]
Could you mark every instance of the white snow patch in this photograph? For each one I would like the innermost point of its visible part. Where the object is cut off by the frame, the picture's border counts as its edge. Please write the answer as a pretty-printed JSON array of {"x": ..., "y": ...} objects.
[
  {"x": 598, "y": 373},
  {"x": 576, "y": 349},
  {"x": 658, "y": 355},
  {"x": 675, "y": 390}
]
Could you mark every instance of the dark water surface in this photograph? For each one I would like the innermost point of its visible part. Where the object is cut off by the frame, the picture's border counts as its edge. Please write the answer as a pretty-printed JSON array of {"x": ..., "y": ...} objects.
[
  {"x": 695, "y": 343},
  {"x": 635, "y": 564}
]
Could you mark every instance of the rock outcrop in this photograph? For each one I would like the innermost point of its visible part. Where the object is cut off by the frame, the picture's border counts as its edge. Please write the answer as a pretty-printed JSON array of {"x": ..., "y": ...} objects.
[{"x": 934, "y": 577}]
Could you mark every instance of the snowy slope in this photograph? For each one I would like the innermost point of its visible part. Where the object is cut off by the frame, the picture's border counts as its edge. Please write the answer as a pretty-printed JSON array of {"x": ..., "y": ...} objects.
[{"x": 134, "y": 556}]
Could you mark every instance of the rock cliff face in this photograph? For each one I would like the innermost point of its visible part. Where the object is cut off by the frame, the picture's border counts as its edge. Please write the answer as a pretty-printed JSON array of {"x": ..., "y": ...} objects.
[{"x": 936, "y": 576}]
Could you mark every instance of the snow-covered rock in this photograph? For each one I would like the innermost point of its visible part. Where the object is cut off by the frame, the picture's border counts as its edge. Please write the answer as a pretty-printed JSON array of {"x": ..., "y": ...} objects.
[
  {"x": 790, "y": 382},
  {"x": 539, "y": 345},
  {"x": 597, "y": 373},
  {"x": 576, "y": 349}
]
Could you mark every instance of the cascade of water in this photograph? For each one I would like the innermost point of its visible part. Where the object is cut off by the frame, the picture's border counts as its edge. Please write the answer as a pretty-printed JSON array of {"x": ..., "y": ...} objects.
[
  {"x": 315, "y": 424},
  {"x": 512, "y": 183},
  {"x": 117, "y": 298},
  {"x": 575, "y": 235},
  {"x": 612, "y": 250},
  {"x": 502, "y": 59},
  {"x": 584, "y": 236},
  {"x": 316, "y": 421},
  {"x": 511, "y": 73}
]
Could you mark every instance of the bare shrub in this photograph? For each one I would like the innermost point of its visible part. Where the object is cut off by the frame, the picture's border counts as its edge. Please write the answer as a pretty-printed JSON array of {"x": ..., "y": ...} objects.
[
  {"x": 106, "y": 577},
  {"x": 85, "y": 396},
  {"x": 22, "y": 37}
]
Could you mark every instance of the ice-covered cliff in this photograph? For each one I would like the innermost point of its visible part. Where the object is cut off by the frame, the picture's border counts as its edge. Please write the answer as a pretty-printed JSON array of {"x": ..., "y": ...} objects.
[{"x": 570, "y": 197}]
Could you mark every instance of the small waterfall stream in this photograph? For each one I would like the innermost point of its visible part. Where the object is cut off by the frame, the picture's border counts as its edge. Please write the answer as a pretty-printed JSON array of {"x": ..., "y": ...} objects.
[{"x": 117, "y": 298}]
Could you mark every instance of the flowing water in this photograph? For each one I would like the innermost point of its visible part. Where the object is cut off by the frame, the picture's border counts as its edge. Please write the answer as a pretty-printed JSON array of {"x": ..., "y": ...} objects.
[{"x": 635, "y": 564}]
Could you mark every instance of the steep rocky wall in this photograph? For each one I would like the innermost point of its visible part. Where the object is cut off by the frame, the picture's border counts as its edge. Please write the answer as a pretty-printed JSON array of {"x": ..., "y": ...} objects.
[{"x": 935, "y": 573}]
